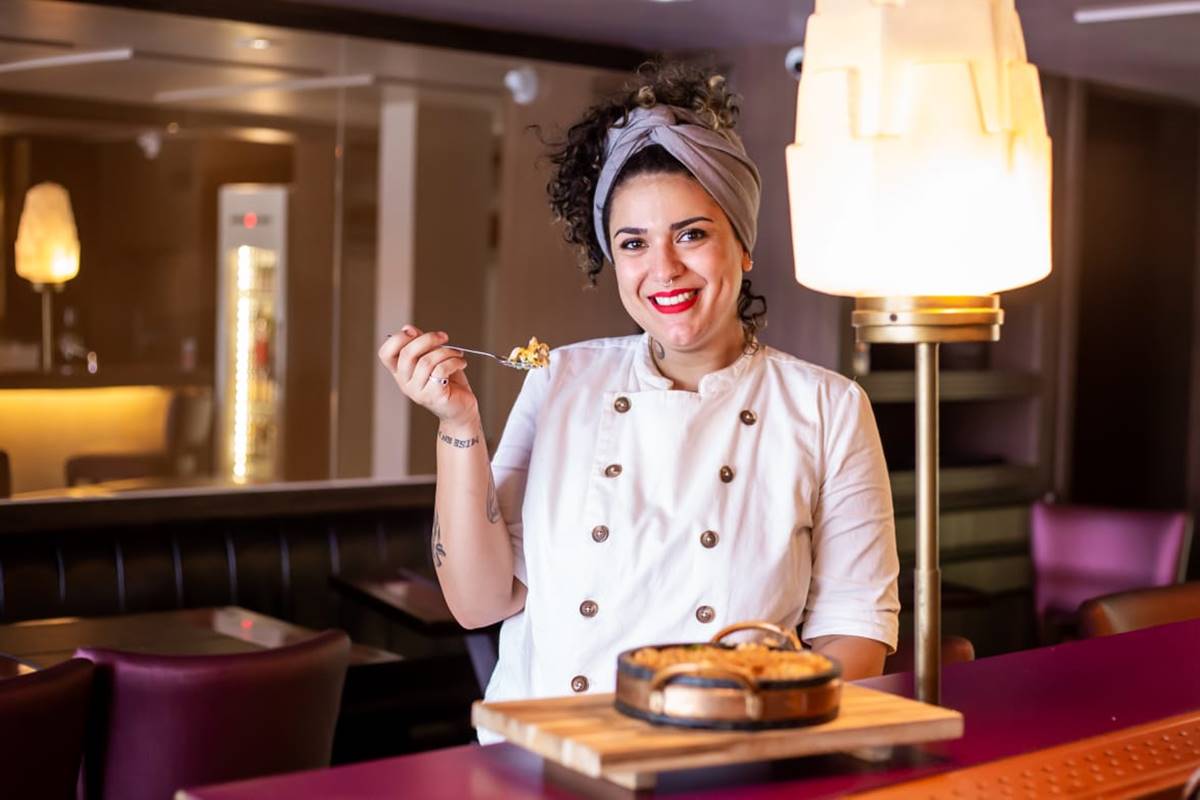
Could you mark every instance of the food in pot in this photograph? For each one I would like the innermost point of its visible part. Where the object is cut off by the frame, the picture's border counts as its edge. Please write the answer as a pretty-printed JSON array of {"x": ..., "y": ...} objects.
[
  {"x": 754, "y": 658},
  {"x": 535, "y": 354}
]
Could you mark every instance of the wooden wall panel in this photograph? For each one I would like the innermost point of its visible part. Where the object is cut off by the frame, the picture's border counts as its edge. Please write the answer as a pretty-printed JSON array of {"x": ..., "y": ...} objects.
[{"x": 1136, "y": 303}]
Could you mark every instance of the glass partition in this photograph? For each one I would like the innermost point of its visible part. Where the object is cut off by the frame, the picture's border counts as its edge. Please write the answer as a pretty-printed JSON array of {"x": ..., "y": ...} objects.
[{"x": 256, "y": 208}]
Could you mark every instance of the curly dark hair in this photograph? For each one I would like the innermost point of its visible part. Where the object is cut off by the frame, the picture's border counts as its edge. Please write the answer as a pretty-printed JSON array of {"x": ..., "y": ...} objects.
[{"x": 578, "y": 157}]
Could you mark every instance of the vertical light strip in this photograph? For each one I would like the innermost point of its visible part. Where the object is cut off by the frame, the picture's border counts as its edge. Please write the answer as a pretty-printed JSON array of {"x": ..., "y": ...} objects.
[{"x": 241, "y": 364}]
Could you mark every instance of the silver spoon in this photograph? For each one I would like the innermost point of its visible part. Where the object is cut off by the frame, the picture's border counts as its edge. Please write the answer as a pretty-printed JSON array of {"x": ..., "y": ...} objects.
[{"x": 504, "y": 361}]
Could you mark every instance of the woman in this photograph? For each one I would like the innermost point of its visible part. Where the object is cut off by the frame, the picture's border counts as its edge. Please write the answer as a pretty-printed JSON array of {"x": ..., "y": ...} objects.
[{"x": 655, "y": 488}]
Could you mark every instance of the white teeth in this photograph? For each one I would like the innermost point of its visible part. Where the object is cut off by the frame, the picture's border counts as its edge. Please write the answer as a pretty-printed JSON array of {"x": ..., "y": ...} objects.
[{"x": 675, "y": 300}]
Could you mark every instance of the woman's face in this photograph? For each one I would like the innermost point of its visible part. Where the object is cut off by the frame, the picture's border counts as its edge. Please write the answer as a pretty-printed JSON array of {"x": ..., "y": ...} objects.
[{"x": 679, "y": 264}]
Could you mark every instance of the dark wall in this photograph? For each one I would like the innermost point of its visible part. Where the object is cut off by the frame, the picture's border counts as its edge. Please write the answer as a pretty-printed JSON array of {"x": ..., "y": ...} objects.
[{"x": 1136, "y": 303}]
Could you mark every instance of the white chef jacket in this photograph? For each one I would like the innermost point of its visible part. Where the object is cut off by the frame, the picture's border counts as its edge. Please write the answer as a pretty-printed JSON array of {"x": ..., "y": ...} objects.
[{"x": 640, "y": 514}]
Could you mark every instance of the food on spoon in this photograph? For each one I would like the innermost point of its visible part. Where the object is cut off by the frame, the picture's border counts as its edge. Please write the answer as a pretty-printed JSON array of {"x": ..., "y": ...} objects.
[
  {"x": 755, "y": 658},
  {"x": 533, "y": 355}
]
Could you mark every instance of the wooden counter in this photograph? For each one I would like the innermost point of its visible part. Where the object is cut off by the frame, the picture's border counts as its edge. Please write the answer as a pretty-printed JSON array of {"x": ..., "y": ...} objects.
[{"x": 47, "y": 419}]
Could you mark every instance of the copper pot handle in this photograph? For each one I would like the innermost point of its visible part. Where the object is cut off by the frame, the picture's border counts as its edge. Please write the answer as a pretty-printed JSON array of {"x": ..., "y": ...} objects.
[
  {"x": 784, "y": 637},
  {"x": 754, "y": 704}
]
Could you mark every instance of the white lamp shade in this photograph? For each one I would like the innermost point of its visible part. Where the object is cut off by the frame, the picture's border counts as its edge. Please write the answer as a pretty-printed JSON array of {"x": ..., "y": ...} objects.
[
  {"x": 47, "y": 248},
  {"x": 921, "y": 165}
]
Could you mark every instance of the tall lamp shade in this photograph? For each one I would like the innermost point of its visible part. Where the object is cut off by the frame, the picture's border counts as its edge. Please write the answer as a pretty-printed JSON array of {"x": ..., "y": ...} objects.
[
  {"x": 921, "y": 164},
  {"x": 47, "y": 249},
  {"x": 920, "y": 185}
]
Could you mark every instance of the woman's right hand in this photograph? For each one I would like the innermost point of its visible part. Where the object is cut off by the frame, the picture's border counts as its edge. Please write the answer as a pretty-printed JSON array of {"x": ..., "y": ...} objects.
[{"x": 431, "y": 375}]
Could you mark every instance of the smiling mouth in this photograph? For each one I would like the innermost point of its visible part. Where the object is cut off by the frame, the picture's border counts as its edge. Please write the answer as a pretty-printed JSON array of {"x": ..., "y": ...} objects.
[{"x": 676, "y": 301}]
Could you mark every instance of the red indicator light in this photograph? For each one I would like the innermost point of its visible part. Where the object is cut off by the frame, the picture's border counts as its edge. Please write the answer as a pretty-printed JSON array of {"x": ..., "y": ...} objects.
[
  {"x": 247, "y": 624},
  {"x": 249, "y": 219}
]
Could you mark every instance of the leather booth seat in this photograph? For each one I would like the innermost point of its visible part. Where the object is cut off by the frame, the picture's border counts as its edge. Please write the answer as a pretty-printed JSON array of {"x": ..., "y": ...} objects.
[{"x": 1122, "y": 612}]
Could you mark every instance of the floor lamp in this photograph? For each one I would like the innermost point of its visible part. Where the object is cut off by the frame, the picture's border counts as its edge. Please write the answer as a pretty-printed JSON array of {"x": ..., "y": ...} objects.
[
  {"x": 47, "y": 250},
  {"x": 920, "y": 185}
]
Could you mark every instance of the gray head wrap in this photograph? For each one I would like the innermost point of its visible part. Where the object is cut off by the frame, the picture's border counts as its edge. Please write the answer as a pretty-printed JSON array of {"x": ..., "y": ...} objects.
[{"x": 716, "y": 159}]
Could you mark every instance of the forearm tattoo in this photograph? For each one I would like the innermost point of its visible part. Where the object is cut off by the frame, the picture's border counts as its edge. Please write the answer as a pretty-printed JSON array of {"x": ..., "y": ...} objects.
[
  {"x": 462, "y": 444},
  {"x": 493, "y": 506},
  {"x": 439, "y": 552}
]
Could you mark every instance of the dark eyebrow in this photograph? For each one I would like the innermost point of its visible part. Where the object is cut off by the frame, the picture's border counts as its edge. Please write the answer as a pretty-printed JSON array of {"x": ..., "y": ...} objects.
[{"x": 683, "y": 223}]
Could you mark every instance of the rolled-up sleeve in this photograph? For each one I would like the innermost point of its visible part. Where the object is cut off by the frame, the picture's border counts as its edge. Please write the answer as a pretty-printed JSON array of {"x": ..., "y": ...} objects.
[
  {"x": 510, "y": 463},
  {"x": 853, "y": 590}
]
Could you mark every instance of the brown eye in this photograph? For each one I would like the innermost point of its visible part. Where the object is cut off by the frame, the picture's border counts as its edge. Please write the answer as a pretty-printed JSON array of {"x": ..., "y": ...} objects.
[{"x": 692, "y": 235}]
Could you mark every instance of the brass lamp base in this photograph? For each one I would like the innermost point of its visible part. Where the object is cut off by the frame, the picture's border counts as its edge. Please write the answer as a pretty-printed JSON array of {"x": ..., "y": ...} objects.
[
  {"x": 45, "y": 289},
  {"x": 927, "y": 322},
  {"x": 909, "y": 320}
]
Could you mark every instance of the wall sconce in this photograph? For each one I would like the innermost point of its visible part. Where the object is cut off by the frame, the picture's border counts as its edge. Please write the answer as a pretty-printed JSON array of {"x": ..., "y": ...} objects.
[
  {"x": 47, "y": 250},
  {"x": 920, "y": 185}
]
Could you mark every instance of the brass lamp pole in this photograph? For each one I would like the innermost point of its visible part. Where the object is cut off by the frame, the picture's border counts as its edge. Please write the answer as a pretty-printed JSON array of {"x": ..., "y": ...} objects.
[{"x": 927, "y": 322}]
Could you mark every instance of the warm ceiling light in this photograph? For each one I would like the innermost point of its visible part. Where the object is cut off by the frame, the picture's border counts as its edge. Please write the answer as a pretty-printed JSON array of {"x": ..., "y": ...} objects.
[
  {"x": 1128, "y": 12},
  {"x": 68, "y": 60},
  {"x": 235, "y": 90},
  {"x": 255, "y": 43}
]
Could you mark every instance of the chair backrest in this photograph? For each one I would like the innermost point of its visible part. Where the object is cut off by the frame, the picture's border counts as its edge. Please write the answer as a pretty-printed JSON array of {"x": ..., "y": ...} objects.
[
  {"x": 162, "y": 723},
  {"x": 1141, "y": 608},
  {"x": 1080, "y": 552},
  {"x": 43, "y": 716}
]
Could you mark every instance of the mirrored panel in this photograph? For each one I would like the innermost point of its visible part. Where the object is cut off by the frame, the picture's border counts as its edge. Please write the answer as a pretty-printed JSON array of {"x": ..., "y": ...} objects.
[{"x": 253, "y": 209}]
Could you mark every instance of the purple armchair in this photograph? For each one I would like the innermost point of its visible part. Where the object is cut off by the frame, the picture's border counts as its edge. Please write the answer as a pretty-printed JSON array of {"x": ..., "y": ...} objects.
[
  {"x": 162, "y": 723},
  {"x": 1080, "y": 552},
  {"x": 42, "y": 720}
]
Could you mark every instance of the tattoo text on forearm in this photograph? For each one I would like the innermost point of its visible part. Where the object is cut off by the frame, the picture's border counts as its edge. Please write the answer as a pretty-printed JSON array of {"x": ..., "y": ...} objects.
[{"x": 462, "y": 444}]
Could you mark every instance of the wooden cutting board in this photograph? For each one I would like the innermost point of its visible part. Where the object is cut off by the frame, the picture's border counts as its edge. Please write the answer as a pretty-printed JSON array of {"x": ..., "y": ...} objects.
[{"x": 586, "y": 734}]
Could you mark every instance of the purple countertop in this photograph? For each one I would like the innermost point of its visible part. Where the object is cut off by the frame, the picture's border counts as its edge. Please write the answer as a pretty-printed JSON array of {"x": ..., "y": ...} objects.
[{"x": 1013, "y": 704}]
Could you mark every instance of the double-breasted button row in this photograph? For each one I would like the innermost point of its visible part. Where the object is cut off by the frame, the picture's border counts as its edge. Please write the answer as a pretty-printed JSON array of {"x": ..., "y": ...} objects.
[
  {"x": 589, "y": 608},
  {"x": 579, "y": 683}
]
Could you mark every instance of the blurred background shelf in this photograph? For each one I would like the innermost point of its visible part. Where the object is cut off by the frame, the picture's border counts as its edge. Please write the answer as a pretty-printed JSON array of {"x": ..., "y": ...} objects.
[
  {"x": 971, "y": 487},
  {"x": 899, "y": 386},
  {"x": 148, "y": 375}
]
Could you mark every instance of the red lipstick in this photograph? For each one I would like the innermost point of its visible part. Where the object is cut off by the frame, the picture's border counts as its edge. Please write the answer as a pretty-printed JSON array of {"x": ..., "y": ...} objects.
[{"x": 674, "y": 308}]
